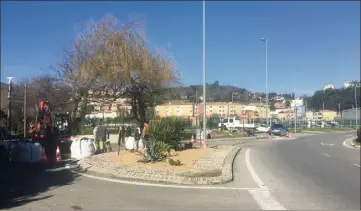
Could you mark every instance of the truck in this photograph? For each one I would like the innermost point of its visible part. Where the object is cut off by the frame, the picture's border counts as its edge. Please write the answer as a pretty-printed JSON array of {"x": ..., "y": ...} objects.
[{"x": 232, "y": 123}]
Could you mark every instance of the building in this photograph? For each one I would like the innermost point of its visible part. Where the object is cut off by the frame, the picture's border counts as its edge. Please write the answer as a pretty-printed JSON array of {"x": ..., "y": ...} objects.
[
  {"x": 284, "y": 115},
  {"x": 328, "y": 86},
  {"x": 108, "y": 109},
  {"x": 297, "y": 102},
  {"x": 223, "y": 109},
  {"x": 328, "y": 115},
  {"x": 351, "y": 114},
  {"x": 347, "y": 84}
]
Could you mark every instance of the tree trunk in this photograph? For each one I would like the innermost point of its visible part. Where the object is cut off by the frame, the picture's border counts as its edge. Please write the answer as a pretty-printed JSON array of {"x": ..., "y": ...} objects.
[
  {"x": 73, "y": 120},
  {"x": 141, "y": 114}
]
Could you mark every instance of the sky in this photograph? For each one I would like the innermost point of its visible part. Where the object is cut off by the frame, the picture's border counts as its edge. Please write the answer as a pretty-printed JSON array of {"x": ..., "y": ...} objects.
[{"x": 321, "y": 40}]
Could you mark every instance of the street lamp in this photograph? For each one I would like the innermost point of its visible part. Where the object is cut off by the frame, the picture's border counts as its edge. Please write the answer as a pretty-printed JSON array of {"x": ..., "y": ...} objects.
[
  {"x": 356, "y": 105},
  {"x": 204, "y": 75},
  {"x": 294, "y": 93},
  {"x": 266, "y": 42},
  {"x": 232, "y": 103},
  {"x": 9, "y": 105}
]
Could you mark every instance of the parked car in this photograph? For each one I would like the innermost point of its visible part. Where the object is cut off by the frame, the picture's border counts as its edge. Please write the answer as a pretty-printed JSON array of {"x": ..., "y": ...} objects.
[
  {"x": 263, "y": 128},
  {"x": 278, "y": 130}
]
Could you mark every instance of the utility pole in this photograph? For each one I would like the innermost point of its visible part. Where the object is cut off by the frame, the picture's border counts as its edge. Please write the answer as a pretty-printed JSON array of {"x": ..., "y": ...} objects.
[
  {"x": 9, "y": 106},
  {"x": 294, "y": 91},
  {"x": 196, "y": 106},
  {"x": 25, "y": 110},
  {"x": 356, "y": 105},
  {"x": 204, "y": 76},
  {"x": 266, "y": 42}
]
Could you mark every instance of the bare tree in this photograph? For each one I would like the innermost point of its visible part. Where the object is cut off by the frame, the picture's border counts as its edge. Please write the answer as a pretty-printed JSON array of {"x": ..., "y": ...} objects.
[{"x": 114, "y": 61}]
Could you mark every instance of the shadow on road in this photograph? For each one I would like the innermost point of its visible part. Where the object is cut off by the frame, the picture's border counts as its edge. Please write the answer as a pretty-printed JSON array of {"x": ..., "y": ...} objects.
[{"x": 21, "y": 184}]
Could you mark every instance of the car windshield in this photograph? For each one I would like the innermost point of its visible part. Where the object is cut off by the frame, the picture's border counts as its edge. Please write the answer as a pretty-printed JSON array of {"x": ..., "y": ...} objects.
[{"x": 277, "y": 126}]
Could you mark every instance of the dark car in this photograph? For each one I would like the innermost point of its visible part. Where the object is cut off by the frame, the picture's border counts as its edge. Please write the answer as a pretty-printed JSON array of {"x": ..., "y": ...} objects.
[{"x": 278, "y": 130}]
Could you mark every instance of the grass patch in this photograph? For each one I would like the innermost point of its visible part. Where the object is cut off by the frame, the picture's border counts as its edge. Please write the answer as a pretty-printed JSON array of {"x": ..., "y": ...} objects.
[
  {"x": 329, "y": 129},
  {"x": 229, "y": 134}
]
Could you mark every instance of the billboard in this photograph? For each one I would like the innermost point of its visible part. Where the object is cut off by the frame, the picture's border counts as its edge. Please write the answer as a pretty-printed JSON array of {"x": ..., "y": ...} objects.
[{"x": 301, "y": 110}]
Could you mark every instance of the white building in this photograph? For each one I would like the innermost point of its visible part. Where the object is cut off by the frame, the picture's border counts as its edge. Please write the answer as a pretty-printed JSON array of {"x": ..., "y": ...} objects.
[
  {"x": 297, "y": 102},
  {"x": 347, "y": 84},
  {"x": 328, "y": 86}
]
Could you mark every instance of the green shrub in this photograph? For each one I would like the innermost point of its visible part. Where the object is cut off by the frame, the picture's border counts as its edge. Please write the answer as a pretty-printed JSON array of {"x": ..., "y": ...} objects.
[
  {"x": 358, "y": 134},
  {"x": 169, "y": 130},
  {"x": 174, "y": 162},
  {"x": 155, "y": 151}
]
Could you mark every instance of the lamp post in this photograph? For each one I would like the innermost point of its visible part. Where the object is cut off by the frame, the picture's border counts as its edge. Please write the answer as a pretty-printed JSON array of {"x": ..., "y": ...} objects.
[
  {"x": 9, "y": 105},
  {"x": 356, "y": 105},
  {"x": 204, "y": 76},
  {"x": 294, "y": 93},
  {"x": 232, "y": 103},
  {"x": 266, "y": 42}
]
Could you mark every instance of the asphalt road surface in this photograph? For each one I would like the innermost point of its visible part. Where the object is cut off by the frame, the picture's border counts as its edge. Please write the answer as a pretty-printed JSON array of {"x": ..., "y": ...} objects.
[{"x": 311, "y": 172}]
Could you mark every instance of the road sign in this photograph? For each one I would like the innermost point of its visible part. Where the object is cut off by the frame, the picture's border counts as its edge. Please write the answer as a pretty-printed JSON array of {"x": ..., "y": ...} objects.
[{"x": 244, "y": 116}]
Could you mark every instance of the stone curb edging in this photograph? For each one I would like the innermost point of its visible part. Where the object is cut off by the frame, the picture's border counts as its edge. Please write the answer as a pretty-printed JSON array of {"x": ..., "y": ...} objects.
[
  {"x": 226, "y": 175},
  {"x": 227, "y": 168},
  {"x": 351, "y": 144}
]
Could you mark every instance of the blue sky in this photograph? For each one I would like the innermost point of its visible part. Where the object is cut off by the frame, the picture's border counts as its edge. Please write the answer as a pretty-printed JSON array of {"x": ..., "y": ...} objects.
[{"x": 321, "y": 39}]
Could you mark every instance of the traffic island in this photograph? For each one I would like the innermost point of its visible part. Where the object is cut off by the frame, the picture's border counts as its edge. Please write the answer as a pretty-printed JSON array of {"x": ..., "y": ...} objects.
[
  {"x": 354, "y": 143},
  {"x": 188, "y": 167}
]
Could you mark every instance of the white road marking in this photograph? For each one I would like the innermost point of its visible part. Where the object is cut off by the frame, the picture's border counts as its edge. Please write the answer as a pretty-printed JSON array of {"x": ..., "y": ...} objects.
[
  {"x": 357, "y": 165},
  {"x": 265, "y": 200},
  {"x": 327, "y": 155},
  {"x": 162, "y": 185},
  {"x": 262, "y": 195},
  {"x": 327, "y": 144},
  {"x": 252, "y": 172},
  {"x": 347, "y": 144}
]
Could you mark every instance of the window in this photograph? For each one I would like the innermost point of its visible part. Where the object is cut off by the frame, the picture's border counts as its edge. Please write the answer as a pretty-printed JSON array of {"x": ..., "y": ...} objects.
[
  {"x": 220, "y": 111},
  {"x": 231, "y": 120},
  {"x": 225, "y": 121}
]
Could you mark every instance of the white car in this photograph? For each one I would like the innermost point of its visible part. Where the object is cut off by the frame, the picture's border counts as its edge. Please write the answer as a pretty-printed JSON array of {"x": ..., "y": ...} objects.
[{"x": 263, "y": 128}]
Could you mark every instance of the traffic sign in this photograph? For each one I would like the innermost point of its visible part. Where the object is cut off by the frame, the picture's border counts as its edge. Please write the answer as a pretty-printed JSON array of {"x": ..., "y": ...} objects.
[{"x": 244, "y": 116}]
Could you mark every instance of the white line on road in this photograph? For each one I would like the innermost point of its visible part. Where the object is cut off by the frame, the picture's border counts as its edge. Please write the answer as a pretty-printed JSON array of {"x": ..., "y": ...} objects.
[
  {"x": 162, "y": 185},
  {"x": 322, "y": 144},
  {"x": 357, "y": 165},
  {"x": 262, "y": 195},
  {"x": 265, "y": 200},
  {"x": 252, "y": 172},
  {"x": 327, "y": 155}
]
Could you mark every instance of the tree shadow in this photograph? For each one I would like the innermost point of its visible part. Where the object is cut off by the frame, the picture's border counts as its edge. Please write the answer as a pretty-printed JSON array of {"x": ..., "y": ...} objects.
[{"x": 21, "y": 184}]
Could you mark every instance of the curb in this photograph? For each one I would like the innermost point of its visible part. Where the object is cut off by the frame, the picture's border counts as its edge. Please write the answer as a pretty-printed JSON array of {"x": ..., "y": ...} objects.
[
  {"x": 169, "y": 178},
  {"x": 349, "y": 143}
]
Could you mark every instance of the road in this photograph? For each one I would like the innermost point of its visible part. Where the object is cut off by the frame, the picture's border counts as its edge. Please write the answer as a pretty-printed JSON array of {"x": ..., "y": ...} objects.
[
  {"x": 312, "y": 172},
  {"x": 295, "y": 174}
]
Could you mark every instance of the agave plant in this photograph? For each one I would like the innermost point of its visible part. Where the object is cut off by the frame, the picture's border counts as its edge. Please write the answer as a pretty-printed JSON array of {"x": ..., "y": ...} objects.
[
  {"x": 169, "y": 130},
  {"x": 155, "y": 150}
]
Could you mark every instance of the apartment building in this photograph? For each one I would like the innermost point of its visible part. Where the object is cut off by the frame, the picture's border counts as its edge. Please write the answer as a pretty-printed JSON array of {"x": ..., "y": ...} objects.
[
  {"x": 108, "y": 109},
  {"x": 223, "y": 109}
]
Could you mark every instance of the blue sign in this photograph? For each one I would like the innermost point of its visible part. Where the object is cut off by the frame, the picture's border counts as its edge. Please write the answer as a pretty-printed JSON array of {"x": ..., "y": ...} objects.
[{"x": 301, "y": 110}]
